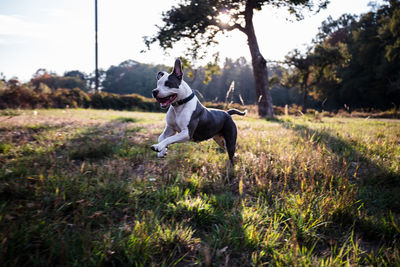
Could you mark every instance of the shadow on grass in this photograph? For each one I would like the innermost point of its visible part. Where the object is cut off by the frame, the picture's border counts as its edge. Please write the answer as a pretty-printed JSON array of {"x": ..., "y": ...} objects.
[{"x": 378, "y": 187}]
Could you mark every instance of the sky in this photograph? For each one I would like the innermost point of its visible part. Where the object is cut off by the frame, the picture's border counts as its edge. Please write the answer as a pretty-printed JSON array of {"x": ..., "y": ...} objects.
[{"x": 58, "y": 35}]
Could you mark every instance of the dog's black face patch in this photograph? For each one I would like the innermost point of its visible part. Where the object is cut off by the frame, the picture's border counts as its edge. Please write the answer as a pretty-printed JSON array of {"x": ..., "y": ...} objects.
[
  {"x": 160, "y": 74},
  {"x": 173, "y": 81}
]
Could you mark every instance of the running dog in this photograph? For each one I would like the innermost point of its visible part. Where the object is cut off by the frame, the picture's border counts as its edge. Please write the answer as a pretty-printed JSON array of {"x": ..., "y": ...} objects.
[{"x": 187, "y": 119}]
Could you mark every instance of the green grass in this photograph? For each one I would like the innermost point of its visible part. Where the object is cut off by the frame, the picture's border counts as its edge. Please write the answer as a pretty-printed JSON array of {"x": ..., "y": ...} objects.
[{"x": 83, "y": 187}]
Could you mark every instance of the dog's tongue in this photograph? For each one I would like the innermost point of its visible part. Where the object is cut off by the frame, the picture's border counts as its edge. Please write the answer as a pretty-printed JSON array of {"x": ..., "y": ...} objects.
[
  {"x": 166, "y": 101},
  {"x": 165, "y": 104}
]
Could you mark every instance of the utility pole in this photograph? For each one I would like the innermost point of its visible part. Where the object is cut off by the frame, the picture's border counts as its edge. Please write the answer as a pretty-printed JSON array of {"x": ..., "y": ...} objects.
[{"x": 96, "y": 49}]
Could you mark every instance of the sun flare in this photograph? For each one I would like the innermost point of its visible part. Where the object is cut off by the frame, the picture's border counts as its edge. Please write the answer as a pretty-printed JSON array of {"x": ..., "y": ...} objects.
[{"x": 224, "y": 18}]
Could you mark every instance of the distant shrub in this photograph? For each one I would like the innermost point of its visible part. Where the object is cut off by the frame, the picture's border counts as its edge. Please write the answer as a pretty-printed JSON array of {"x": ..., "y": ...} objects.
[
  {"x": 75, "y": 98},
  {"x": 123, "y": 102},
  {"x": 393, "y": 113},
  {"x": 141, "y": 102},
  {"x": 26, "y": 96},
  {"x": 18, "y": 96}
]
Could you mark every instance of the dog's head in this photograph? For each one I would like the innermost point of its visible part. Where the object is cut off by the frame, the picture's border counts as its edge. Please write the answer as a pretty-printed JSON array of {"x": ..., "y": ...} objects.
[{"x": 170, "y": 87}]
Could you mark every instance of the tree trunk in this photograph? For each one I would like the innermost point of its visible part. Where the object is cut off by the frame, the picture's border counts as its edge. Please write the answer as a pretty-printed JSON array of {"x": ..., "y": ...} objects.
[
  {"x": 305, "y": 98},
  {"x": 260, "y": 71}
]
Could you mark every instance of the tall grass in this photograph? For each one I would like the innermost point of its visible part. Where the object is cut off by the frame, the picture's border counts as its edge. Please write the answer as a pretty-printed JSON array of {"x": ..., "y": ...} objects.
[{"x": 82, "y": 187}]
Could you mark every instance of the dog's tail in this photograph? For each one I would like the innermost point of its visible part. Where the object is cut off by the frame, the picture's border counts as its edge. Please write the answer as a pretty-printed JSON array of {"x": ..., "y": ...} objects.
[{"x": 237, "y": 112}]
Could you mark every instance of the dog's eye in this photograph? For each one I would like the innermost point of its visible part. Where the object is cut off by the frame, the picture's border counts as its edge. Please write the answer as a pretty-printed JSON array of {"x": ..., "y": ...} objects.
[{"x": 168, "y": 84}]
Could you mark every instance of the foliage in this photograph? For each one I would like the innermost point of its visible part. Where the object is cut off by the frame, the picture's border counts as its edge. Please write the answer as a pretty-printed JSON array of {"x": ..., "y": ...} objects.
[
  {"x": 390, "y": 29},
  {"x": 123, "y": 102},
  {"x": 24, "y": 96},
  {"x": 70, "y": 80},
  {"x": 353, "y": 61},
  {"x": 210, "y": 82},
  {"x": 199, "y": 21},
  {"x": 82, "y": 187},
  {"x": 317, "y": 67},
  {"x": 131, "y": 77}
]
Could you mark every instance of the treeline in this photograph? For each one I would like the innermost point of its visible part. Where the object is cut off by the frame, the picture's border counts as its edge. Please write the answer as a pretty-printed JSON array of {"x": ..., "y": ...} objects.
[{"x": 232, "y": 82}]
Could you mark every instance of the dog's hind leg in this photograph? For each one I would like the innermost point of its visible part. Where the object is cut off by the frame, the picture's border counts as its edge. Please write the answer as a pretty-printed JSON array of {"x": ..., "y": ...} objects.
[
  {"x": 230, "y": 147},
  {"x": 230, "y": 133}
]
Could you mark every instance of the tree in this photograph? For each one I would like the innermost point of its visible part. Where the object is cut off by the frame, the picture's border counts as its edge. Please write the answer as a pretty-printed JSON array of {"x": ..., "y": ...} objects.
[
  {"x": 76, "y": 73},
  {"x": 317, "y": 68},
  {"x": 391, "y": 30},
  {"x": 70, "y": 80},
  {"x": 91, "y": 78},
  {"x": 130, "y": 77},
  {"x": 200, "y": 21},
  {"x": 74, "y": 79},
  {"x": 42, "y": 76},
  {"x": 301, "y": 74}
]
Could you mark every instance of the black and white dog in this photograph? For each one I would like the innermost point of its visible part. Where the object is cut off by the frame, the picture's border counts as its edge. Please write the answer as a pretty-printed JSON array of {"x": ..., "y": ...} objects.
[{"x": 188, "y": 119}]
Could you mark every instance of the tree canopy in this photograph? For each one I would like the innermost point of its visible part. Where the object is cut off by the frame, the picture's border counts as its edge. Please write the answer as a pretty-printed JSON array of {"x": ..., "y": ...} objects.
[
  {"x": 200, "y": 20},
  {"x": 355, "y": 60}
]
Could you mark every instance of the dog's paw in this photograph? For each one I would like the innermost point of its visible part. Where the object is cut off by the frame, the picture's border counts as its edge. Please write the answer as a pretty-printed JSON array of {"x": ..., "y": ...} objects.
[
  {"x": 158, "y": 148},
  {"x": 155, "y": 148},
  {"x": 162, "y": 153}
]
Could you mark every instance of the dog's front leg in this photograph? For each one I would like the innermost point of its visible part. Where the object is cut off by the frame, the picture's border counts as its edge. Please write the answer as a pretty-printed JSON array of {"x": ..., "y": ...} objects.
[
  {"x": 181, "y": 137},
  {"x": 168, "y": 131}
]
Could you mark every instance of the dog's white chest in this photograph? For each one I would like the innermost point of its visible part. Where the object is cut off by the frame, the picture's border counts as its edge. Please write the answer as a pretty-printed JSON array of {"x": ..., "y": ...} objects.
[{"x": 178, "y": 118}]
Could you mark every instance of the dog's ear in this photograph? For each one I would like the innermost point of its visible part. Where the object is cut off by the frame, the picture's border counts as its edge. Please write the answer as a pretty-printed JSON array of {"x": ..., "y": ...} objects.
[
  {"x": 178, "y": 69},
  {"x": 160, "y": 74}
]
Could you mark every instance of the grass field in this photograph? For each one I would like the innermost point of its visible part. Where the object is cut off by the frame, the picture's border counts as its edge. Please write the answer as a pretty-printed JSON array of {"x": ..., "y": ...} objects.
[{"x": 83, "y": 188}]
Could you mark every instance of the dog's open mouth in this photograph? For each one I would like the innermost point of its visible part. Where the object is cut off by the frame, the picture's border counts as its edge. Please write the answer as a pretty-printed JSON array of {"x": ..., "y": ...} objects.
[{"x": 166, "y": 101}]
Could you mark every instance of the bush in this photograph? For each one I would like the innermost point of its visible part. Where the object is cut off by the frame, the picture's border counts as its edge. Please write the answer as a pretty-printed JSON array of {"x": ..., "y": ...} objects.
[
  {"x": 25, "y": 96},
  {"x": 17, "y": 96},
  {"x": 123, "y": 102},
  {"x": 75, "y": 98}
]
